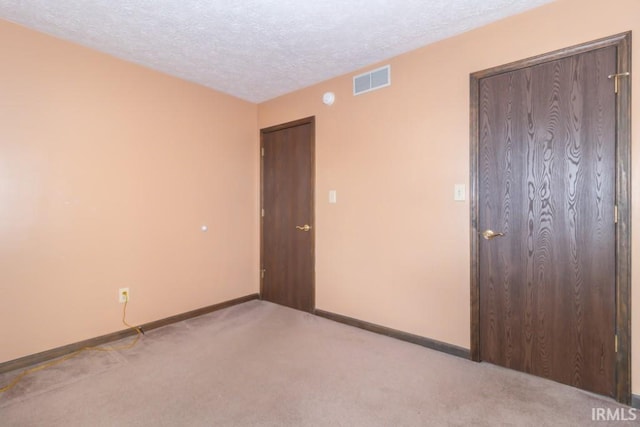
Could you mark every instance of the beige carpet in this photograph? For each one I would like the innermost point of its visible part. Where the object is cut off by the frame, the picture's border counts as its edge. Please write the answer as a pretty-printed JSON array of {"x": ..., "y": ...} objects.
[{"x": 259, "y": 364}]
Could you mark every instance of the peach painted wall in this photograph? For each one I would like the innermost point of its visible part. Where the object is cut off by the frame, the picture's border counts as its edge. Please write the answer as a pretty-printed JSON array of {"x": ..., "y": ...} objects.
[
  {"x": 107, "y": 172},
  {"x": 394, "y": 250}
]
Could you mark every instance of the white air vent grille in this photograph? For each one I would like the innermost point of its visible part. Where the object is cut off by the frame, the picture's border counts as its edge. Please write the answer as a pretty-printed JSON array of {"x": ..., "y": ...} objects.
[{"x": 372, "y": 80}]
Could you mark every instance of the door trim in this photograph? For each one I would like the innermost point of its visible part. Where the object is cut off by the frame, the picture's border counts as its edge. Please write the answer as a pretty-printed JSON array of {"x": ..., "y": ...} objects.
[
  {"x": 312, "y": 146},
  {"x": 622, "y": 41}
]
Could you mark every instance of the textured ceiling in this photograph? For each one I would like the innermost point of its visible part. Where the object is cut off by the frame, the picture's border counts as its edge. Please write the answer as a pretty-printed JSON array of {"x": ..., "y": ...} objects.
[{"x": 257, "y": 49}]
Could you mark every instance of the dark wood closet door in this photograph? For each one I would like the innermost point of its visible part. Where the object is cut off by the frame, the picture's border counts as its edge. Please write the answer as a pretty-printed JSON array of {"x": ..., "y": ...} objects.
[
  {"x": 546, "y": 168},
  {"x": 287, "y": 221}
]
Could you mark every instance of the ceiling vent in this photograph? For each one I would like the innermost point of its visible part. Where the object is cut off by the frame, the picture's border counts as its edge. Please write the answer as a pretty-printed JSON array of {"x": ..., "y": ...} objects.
[{"x": 372, "y": 80}]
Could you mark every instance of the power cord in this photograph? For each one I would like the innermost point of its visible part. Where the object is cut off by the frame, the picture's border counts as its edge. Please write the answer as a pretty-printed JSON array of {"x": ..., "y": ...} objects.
[{"x": 139, "y": 333}]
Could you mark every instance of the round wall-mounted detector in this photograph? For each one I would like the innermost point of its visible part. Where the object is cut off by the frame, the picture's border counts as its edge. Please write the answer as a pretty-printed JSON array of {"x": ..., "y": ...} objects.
[
  {"x": 204, "y": 228},
  {"x": 328, "y": 98}
]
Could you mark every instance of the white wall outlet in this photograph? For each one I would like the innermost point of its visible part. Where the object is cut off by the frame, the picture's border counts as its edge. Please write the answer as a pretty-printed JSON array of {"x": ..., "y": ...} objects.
[{"x": 123, "y": 295}]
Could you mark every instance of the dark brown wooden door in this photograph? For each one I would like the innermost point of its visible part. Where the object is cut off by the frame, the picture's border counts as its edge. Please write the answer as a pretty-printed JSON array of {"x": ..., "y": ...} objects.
[
  {"x": 546, "y": 179},
  {"x": 287, "y": 221}
]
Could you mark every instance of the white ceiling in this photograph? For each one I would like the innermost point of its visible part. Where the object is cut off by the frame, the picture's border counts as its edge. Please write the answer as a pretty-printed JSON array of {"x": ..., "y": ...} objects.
[{"x": 257, "y": 49}]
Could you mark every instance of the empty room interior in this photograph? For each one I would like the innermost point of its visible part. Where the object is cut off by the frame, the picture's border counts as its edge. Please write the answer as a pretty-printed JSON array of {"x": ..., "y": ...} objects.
[{"x": 129, "y": 161}]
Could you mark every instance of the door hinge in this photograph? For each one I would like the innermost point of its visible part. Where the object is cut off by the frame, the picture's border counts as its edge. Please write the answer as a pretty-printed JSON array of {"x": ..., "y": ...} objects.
[
  {"x": 262, "y": 273},
  {"x": 262, "y": 151},
  {"x": 616, "y": 79},
  {"x": 616, "y": 343},
  {"x": 262, "y": 213},
  {"x": 615, "y": 214}
]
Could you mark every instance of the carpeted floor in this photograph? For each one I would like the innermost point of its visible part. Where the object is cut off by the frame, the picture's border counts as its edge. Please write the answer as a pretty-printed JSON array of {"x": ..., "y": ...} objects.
[{"x": 259, "y": 364}]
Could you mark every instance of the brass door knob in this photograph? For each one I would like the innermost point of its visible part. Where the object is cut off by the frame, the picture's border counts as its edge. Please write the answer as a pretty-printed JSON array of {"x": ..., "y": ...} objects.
[
  {"x": 305, "y": 227},
  {"x": 490, "y": 234}
]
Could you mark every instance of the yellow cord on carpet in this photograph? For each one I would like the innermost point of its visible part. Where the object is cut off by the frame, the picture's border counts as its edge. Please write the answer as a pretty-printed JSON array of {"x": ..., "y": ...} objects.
[{"x": 26, "y": 372}]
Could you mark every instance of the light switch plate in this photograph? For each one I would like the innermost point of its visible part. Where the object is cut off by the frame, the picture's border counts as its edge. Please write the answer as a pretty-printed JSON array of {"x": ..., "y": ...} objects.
[
  {"x": 459, "y": 192},
  {"x": 333, "y": 197}
]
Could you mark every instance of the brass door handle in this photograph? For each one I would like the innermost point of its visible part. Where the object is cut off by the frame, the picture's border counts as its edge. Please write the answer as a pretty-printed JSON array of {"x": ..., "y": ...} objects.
[
  {"x": 305, "y": 227},
  {"x": 490, "y": 234}
]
